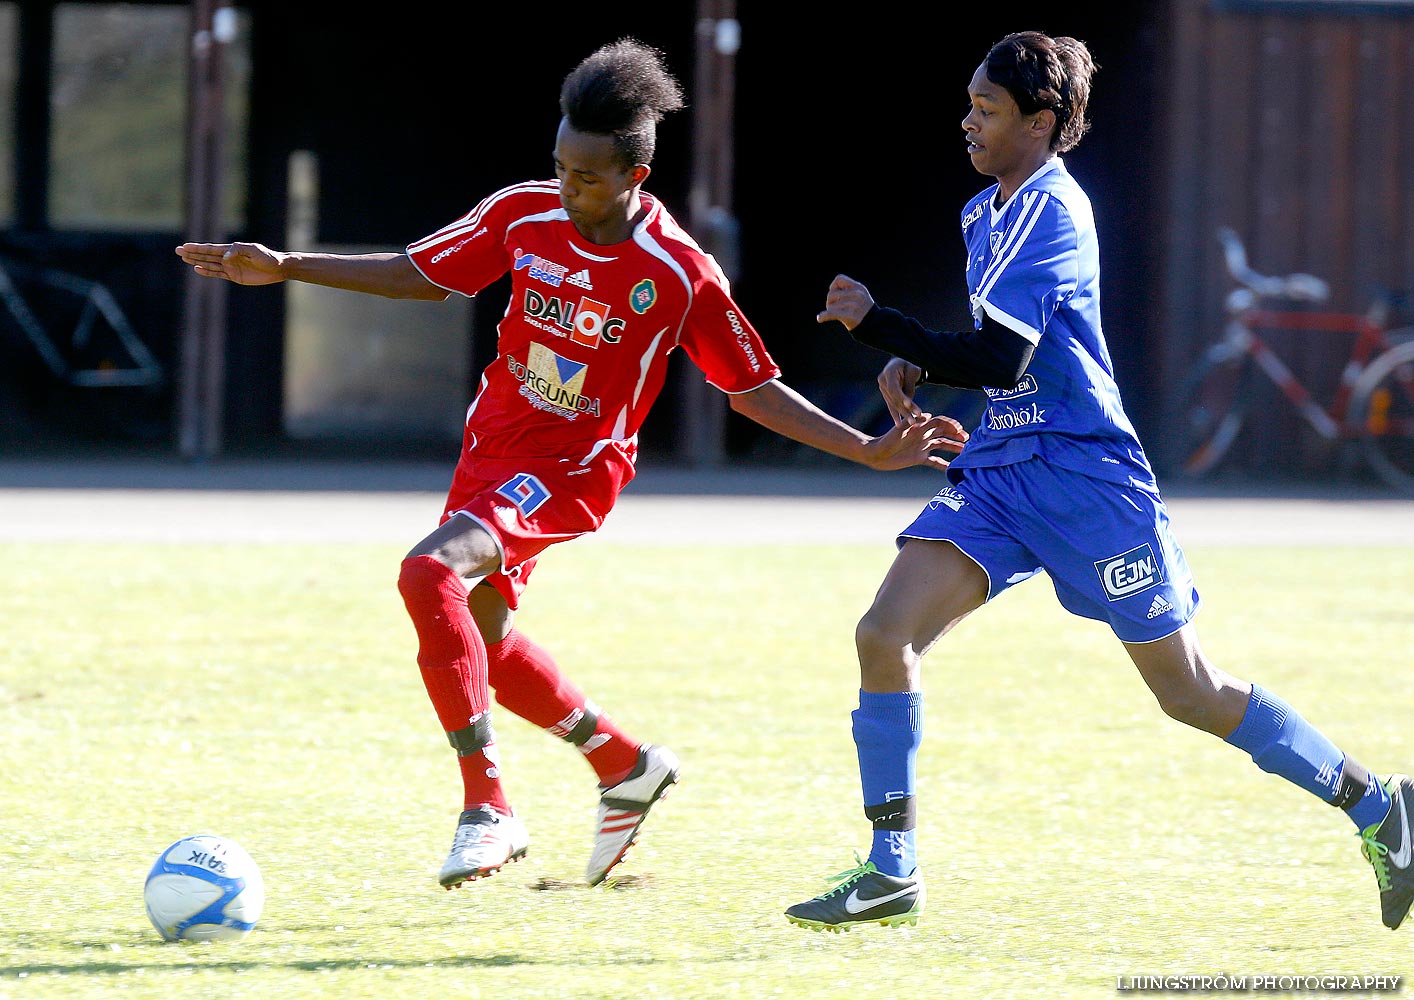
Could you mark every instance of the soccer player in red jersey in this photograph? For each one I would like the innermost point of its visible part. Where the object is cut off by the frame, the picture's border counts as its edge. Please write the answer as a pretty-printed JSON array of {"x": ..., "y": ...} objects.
[{"x": 604, "y": 286}]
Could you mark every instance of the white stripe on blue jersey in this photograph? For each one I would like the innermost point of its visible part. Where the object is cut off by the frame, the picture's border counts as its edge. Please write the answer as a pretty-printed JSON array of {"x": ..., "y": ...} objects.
[{"x": 1033, "y": 265}]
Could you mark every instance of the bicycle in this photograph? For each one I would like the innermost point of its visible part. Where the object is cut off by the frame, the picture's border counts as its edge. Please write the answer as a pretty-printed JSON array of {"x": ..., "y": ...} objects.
[
  {"x": 1373, "y": 404},
  {"x": 86, "y": 357}
]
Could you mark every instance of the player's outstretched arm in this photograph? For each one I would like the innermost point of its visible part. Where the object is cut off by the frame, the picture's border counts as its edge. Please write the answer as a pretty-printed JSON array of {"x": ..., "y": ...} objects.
[
  {"x": 392, "y": 275},
  {"x": 778, "y": 407}
]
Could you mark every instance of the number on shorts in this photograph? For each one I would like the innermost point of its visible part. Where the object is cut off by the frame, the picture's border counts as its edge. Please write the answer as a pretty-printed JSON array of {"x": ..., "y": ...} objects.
[{"x": 525, "y": 491}]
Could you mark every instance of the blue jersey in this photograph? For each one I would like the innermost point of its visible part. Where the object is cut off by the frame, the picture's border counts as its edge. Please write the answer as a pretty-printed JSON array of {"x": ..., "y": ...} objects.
[{"x": 1033, "y": 265}]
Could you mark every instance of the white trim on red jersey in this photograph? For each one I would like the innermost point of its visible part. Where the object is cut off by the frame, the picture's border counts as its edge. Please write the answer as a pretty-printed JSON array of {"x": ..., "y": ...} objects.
[{"x": 469, "y": 222}]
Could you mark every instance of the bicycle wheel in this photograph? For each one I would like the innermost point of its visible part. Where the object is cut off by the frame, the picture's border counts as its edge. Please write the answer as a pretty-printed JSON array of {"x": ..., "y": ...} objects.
[
  {"x": 1382, "y": 407},
  {"x": 1212, "y": 407},
  {"x": 1404, "y": 335}
]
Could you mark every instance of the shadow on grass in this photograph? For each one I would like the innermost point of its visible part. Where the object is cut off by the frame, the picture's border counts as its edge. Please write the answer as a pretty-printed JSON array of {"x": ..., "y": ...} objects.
[{"x": 110, "y": 968}]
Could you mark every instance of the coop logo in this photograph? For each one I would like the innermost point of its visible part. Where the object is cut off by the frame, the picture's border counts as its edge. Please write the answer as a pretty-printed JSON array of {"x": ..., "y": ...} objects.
[
  {"x": 440, "y": 255},
  {"x": 585, "y": 322},
  {"x": 1025, "y": 387},
  {"x": 973, "y": 215},
  {"x": 554, "y": 384},
  {"x": 1129, "y": 572},
  {"x": 1008, "y": 418},
  {"x": 540, "y": 268},
  {"x": 743, "y": 340}
]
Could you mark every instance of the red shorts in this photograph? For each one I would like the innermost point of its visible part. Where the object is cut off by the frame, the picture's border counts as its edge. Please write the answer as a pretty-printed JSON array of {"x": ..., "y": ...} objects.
[{"x": 527, "y": 505}]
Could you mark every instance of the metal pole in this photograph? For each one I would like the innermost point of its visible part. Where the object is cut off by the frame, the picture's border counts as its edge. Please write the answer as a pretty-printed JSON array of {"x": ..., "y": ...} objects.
[
  {"x": 709, "y": 201},
  {"x": 33, "y": 116},
  {"x": 201, "y": 394}
]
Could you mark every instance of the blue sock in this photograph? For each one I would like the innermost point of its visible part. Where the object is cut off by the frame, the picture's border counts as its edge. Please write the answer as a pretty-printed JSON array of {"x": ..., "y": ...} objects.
[
  {"x": 1372, "y": 807},
  {"x": 1283, "y": 743},
  {"x": 888, "y": 729}
]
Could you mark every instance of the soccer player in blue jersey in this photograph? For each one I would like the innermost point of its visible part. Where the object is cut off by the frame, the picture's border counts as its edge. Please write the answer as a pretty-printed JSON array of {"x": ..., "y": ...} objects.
[{"x": 1053, "y": 479}]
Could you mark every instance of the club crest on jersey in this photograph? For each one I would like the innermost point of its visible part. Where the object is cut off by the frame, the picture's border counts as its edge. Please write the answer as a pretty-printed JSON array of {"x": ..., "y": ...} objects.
[
  {"x": 994, "y": 239},
  {"x": 554, "y": 384},
  {"x": 540, "y": 268},
  {"x": 1130, "y": 572},
  {"x": 642, "y": 296}
]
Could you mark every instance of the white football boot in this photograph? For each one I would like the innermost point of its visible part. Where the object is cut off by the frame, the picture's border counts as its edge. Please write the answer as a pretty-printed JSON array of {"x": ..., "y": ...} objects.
[
  {"x": 485, "y": 840},
  {"x": 624, "y": 807}
]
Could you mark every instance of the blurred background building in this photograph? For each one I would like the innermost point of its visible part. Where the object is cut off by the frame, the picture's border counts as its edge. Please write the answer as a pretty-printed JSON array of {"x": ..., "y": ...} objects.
[{"x": 815, "y": 143}]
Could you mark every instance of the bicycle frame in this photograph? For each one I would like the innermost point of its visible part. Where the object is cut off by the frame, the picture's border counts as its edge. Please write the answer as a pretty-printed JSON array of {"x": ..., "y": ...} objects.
[
  {"x": 97, "y": 304},
  {"x": 1373, "y": 403},
  {"x": 1369, "y": 333}
]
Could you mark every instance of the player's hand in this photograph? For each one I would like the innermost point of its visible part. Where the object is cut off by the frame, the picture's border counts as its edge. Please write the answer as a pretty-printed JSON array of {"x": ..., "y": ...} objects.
[
  {"x": 243, "y": 263},
  {"x": 847, "y": 301},
  {"x": 916, "y": 442},
  {"x": 897, "y": 383}
]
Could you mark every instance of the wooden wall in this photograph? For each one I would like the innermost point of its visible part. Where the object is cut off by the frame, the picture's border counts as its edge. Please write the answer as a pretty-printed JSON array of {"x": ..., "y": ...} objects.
[{"x": 1294, "y": 124}]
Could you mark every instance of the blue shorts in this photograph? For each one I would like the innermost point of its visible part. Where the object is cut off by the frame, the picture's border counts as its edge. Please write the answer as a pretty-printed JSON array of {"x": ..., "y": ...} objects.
[{"x": 1106, "y": 547}]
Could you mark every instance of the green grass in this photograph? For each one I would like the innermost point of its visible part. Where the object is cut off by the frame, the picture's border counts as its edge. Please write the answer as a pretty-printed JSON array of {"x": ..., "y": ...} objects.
[{"x": 1071, "y": 834}]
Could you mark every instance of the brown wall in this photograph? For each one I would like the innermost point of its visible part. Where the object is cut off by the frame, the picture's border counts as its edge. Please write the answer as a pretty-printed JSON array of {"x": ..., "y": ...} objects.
[{"x": 1296, "y": 128}]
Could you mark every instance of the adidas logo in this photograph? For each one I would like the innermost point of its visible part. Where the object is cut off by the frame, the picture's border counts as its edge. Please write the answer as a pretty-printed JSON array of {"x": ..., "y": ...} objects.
[
  {"x": 1159, "y": 606},
  {"x": 580, "y": 279}
]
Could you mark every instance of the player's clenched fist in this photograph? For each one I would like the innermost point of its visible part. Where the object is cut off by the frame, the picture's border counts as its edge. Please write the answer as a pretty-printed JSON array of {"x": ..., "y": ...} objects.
[
  {"x": 243, "y": 263},
  {"x": 847, "y": 301}
]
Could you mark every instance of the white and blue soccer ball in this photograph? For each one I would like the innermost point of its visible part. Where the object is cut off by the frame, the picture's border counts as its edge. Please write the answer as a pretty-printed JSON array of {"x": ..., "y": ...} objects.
[{"x": 204, "y": 888}]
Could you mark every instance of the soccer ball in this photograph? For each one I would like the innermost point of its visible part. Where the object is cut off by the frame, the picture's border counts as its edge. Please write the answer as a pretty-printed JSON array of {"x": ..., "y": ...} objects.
[{"x": 204, "y": 888}]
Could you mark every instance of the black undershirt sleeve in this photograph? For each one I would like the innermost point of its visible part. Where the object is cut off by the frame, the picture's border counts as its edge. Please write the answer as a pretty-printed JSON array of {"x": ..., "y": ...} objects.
[{"x": 992, "y": 357}]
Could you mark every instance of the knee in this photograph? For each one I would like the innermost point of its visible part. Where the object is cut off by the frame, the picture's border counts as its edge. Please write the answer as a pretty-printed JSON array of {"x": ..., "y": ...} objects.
[
  {"x": 421, "y": 580},
  {"x": 886, "y": 656},
  {"x": 873, "y": 638},
  {"x": 1182, "y": 703},
  {"x": 1194, "y": 703}
]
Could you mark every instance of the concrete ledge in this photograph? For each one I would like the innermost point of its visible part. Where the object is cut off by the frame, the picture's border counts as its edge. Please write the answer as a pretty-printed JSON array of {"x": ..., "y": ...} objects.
[{"x": 400, "y": 503}]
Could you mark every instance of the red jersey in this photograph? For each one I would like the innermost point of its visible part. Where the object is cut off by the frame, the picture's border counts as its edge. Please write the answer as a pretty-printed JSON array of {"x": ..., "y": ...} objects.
[{"x": 582, "y": 351}]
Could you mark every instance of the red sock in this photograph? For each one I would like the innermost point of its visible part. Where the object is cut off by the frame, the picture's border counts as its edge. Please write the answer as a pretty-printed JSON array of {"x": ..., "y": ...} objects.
[
  {"x": 528, "y": 682},
  {"x": 452, "y": 657}
]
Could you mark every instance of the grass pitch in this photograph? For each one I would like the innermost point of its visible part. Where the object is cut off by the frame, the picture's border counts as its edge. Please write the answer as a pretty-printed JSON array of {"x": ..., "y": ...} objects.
[{"x": 1071, "y": 835}]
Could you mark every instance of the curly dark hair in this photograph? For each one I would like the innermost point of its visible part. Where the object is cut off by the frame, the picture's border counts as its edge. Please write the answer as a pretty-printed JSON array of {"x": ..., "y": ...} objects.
[
  {"x": 1041, "y": 72},
  {"x": 623, "y": 89}
]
